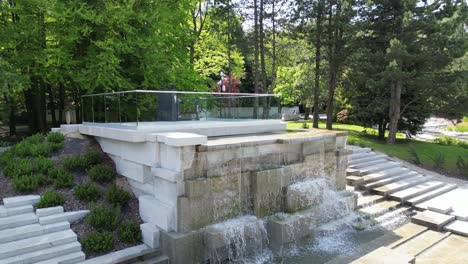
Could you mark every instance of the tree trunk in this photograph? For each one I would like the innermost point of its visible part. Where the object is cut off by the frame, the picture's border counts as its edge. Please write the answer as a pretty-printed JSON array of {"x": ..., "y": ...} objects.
[
  {"x": 382, "y": 128},
  {"x": 256, "y": 48},
  {"x": 331, "y": 95},
  {"x": 12, "y": 113},
  {"x": 52, "y": 105},
  {"x": 61, "y": 102},
  {"x": 394, "y": 111},
  {"x": 318, "y": 47}
]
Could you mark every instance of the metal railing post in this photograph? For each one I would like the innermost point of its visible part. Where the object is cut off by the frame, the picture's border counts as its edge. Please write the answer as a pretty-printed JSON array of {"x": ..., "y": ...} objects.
[
  {"x": 120, "y": 114},
  {"x": 105, "y": 110},
  {"x": 92, "y": 107}
]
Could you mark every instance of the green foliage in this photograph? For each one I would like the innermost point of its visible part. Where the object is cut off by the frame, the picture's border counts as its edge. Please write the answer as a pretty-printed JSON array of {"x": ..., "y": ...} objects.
[
  {"x": 27, "y": 149},
  {"x": 74, "y": 163},
  {"x": 117, "y": 196},
  {"x": 92, "y": 158},
  {"x": 305, "y": 125},
  {"x": 413, "y": 155},
  {"x": 88, "y": 192},
  {"x": 35, "y": 139},
  {"x": 102, "y": 217},
  {"x": 101, "y": 173},
  {"x": 55, "y": 137},
  {"x": 129, "y": 232},
  {"x": 42, "y": 165},
  {"x": 450, "y": 141},
  {"x": 462, "y": 167},
  {"x": 18, "y": 167},
  {"x": 63, "y": 179},
  {"x": 50, "y": 199},
  {"x": 25, "y": 183},
  {"x": 439, "y": 160},
  {"x": 6, "y": 157},
  {"x": 97, "y": 242}
]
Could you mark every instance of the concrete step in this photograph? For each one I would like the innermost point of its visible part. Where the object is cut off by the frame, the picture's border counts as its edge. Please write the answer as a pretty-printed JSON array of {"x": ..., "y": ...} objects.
[
  {"x": 379, "y": 209},
  {"x": 67, "y": 216},
  {"x": 157, "y": 260},
  {"x": 421, "y": 242},
  {"x": 17, "y": 220},
  {"x": 366, "y": 159},
  {"x": 368, "y": 200},
  {"x": 432, "y": 219},
  {"x": 360, "y": 150},
  {"x": 416, "y": 190},
  {"x": 384, "y": 255},
  {"x": 458, "y": 227},
  {"x": 392, "y": 214},
  {"x": 377, "y": 176},
  {"x": 5, "y": 212},
  {"x": 429, "y": 195},
  {"x": 44, "y": 254},
  {"x": 23, "y": 232},
  {"x": 368, "y": 163},
  {"x": 352, "y": 172},
  {"x": 65, "y": 259},
  {"x": 381, "y": 167},
  {"x": 406, "y": 232},
  {"x": 354, "y": 180},
  {"x": 17, "y": 201},
  {"x": 401, "y": 184},
  {"x": 389, "y": 179},
  {"x": 27, "y": 245},
  {"x": 49, "y": 211}
]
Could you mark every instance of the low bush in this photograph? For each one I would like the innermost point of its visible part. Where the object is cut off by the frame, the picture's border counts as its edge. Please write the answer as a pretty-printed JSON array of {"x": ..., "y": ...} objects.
[
  {"x": 42, "y": 165},
  {"x": 462, "y": 167},
  {"x": 102, "y": 217},
  {"x": 88, "y": 192},
  {"x": 27, "y": 149},
  {"x": 439, "y": 160},
  {"x": 101, "y": 173},
  {"x": 50, "y": 199},
  {"x": 413, "y": 155},
  {"x": 18, "y": 167},
  {"x": 117, "y": 196},
  {"x": 97, "y": 242},
  {"x": 55, "y": 137},
  {"x": 74, "y": 163},
  {"x": 63, "y": 180},
  {"x": 35, "y": 139},
  {"x": 25, "y": 183},
  {"x": 6, "y": 157},
  {"x": 129, "y": 232},
  {"x": 92, "y": 158}
]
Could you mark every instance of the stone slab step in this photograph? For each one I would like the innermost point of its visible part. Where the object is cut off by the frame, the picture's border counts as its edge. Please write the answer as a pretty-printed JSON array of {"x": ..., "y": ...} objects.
[
  {"x": 389, "y": 179},
  {"x": 49, "y": 211},
  {"x": 352, "y": 172},
  {"x": 384, "y": 253},
  {"x": 401, "y": 184},
  {"x": 442, "y": 207},
  {"x": 421, "y": 242},
  {"x": 157, "y": 260},
  {"x": 121, "y": 255},
  {"x": 416, "y": 190},
  {"x": 67, "y": 216},
  {"x": 366, "y": 159},
  {"x": 379, "y": 208},
  {"x": 460, "y": 215},
  {"x": 65, "y": 259},
  {"x": 407, "y": 232},
  {"x": 368, "y": 163},
  {"x": 432, "y": 219},
  {"x": 453, "y": 250},
  {"x": 367, "y": 200},
  {"x": 17, "y": 220},
  {"x": 360, "y": 150},
  {"x": 381, "y": 167},
  {"x": 392, "y": 214},
  {"x": 373, "y": 177},
  {"x": 27, "y": 245},
  {"x": 5, "y": 212},
  {"x": 28, "y": 231},
  {"x": 429, "y": 195},
  {"x": 356, "y": 156},
  {"x": 43, "y": 254},
  {"x": 354, "y": 180},
  {"x": 17, "y": 201},
  {"x": 458, "y": 227}
]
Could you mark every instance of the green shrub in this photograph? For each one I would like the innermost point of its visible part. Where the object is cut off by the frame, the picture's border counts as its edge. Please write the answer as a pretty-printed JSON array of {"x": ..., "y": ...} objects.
[
  {"x": 101, "y": 173},
  {"x": 42, "y": 179},
  {"x": 98, "y": 242},
  {"x": 463, "y": 144},
  {"x": 413, "y": 155},
  {"x": 6, "y": 157},
  {"x": 42, "y": 165},
  {"x": 92, "y": 158},
  {"x": 56, "y": 146},
  {"x": 74, "y": 163},
  {"x": 55, "y": 137},
  {"x": 129, "y": 232},
  {"x": 34, "y": 139},
  {"x": 104, "y": 218},
  {"x": 88, "y": 192},
  {"x": 50, "y": 199},
  {"x": 462, "y": 167},
  {"x": 27, "y": 149},
  {"x": 63, "y": 180},
  {"x": 25, "y": 183},
  {"x": 439, "y": 160},
  {"x": 18, "y": 167},
  {"x": 117, "y": 196}
]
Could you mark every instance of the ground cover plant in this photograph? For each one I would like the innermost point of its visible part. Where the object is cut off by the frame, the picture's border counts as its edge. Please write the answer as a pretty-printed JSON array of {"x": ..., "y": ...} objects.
[{"x": 75, "y": 174}]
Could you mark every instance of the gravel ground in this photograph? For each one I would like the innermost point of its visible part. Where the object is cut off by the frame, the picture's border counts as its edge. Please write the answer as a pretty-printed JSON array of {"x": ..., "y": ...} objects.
[{"x": 75, "y": 146}]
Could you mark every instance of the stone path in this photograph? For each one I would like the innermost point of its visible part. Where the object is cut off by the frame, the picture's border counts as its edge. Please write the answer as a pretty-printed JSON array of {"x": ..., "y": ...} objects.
[
  {"x": 439, "y": 212},
  {"x": 44, "y": 236}
]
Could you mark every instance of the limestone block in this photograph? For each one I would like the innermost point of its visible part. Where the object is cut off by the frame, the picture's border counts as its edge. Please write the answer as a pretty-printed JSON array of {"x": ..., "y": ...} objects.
[
  {"x": 21, "y": 200},
  {"x": 4, "y": 212},
  {"x": 150, "y": 235},
  {"x": 67, "y": 216},
  {"x": 284, "y": 229},
  {"x": 198, "y": 187},
  {"x": 341, "y": 141},
  {"x": 183, "y": 248},
  {"x": 146, "y": 153},
  {"x": 179, "y": 139},
  {"x": 267, "y": 191},
  {"x": 49, "y": 211},
  {"x": 139, "y": 188},
  {"x": 165, "y": 191},
  {"x": 113, "y": 133},
  {"x": 132, "y": 170},
  {"x": 166, "y": 174},
  {"x": 313, "y": 147},
  {"x": 121, "y": 256},
  {"x": 171, "y": 157},
  {"x": 158, "y": 213},
  {"x": 305, "y": 194}
]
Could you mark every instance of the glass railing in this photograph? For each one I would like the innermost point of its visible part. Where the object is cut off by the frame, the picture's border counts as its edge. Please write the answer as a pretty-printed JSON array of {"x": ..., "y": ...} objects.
[{"x": 137, "y": 106}]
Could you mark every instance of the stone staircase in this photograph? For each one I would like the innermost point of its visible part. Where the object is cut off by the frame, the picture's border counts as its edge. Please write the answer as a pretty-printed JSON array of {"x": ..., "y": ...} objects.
[
  {"x": 386, "y": 187},
  {"x": 43, "y": 236}
]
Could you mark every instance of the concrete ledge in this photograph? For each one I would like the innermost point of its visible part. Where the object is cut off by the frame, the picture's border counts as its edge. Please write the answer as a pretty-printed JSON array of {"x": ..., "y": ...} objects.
[
  {"x": 21, "y": 201},
  {"x": 179, "y": 139},
  {"x": 120, "y": 256}
]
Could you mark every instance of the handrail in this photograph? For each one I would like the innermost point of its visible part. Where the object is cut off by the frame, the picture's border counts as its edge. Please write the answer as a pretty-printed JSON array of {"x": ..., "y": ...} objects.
[{"x": 183, "y": 92}]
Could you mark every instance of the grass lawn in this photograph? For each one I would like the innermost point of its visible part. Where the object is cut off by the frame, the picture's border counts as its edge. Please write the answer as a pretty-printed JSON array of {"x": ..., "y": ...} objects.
[{"x": 358, "y": 135}]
